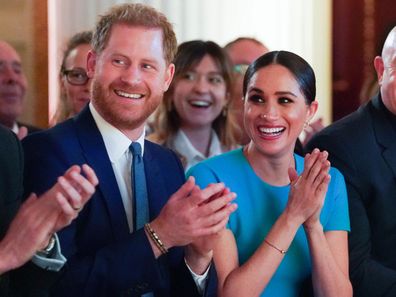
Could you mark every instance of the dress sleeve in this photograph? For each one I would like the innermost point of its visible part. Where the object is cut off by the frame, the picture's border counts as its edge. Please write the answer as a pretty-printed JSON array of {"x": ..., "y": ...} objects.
[
  {"x": 339, "y": 214},
  {"x": 203, "y": 175}
]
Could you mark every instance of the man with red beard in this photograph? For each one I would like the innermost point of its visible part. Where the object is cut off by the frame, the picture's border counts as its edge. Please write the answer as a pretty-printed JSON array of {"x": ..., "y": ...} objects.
[
  {"x": 108, "y": 253},
  {"x": 13, "y": 86}
]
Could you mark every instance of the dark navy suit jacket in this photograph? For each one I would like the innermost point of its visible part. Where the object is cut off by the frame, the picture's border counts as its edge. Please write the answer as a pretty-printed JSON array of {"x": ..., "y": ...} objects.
[
  {"x": 363, "y": 147},
  {"x": 104, "y": 258},
  {"x": 11, "y": 173}
]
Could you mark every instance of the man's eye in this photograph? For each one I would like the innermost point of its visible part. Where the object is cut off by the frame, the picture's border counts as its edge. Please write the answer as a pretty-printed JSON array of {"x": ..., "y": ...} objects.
[
  {"x": 119, "y": 62},
  {"x": 147, "y": 66}
]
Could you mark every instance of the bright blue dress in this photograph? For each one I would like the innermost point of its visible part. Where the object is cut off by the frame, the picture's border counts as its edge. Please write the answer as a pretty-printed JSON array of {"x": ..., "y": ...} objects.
[{"x": 259, "y": 206}]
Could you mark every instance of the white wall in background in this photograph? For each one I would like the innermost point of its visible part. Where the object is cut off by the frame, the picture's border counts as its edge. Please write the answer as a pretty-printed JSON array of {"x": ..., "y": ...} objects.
[{"x": 301, "y": 26}]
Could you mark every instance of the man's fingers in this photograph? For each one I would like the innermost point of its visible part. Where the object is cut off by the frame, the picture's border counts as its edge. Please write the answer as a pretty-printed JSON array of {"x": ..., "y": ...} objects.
[
  {"x": 217, "y": 204},
  {"x": 90, "y": 174},
  {"x": 215, "y": 228},
  {"x": 205, "y": 194},
  {"x": 65, "y": 206},
  {"x": 218, "y": 216},
  {"x": 82, "y": 185},
  {"x": 184, "y": 190},
  {"x": 70, "y": 192},
  {"x": 74, "y": 168}
]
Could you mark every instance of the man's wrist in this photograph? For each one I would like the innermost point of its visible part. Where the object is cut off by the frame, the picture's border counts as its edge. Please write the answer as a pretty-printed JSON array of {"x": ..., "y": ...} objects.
[
  {"x": 46, "y": 252},
  {"x": 157, "y": 226},
  {"x": 197, "y": 262},
  {"x": 8, "y": 260},
  {"x": 4, "y": 262}
]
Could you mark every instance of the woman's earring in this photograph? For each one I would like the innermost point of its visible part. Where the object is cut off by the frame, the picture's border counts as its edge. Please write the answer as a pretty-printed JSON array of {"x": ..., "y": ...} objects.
[
  {"x": 306, "y": 125},
  {"x": 224, "y": 112}
]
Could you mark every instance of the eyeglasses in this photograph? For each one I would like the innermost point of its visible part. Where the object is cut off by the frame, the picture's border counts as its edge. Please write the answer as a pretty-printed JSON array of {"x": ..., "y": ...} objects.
[
  {"x": 390, "y": 67},
  {"x": 76, "y": 76},
  {"x": 240, "y": 68}
]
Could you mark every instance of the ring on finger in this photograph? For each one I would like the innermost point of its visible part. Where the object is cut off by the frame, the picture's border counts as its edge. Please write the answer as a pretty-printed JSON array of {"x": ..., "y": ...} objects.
[{"x": 76, "y": 208}]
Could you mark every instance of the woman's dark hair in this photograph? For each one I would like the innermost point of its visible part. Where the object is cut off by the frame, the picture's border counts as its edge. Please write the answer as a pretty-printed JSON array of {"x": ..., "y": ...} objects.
[
  {"x": 189, "y": 55},
  {"x": 84, "y": 37},
  {"x": 300, "y": 69}
]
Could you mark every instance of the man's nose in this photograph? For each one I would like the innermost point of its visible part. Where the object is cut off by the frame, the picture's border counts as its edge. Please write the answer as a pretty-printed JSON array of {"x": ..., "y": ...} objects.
[
  {"x": 8, "y": 75},
  {"x": 132, "y": 75}
]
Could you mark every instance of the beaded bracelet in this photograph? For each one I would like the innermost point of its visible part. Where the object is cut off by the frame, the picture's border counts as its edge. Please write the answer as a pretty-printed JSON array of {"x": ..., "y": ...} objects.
[
  {"x": 155, "y": 238},
  {"x": 273, "y": 246}
]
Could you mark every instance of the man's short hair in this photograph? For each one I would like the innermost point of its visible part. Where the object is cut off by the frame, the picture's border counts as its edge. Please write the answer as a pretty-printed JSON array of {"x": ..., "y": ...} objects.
[
  {"x": 239, "y": 39},
  {"x": 135, "y": 14}
]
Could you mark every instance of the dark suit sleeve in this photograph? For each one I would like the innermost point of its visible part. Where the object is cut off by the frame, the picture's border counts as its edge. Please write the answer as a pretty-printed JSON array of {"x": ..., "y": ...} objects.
[
  {"x": 100, "y": 261},
  {"x": 11, "y": 177},
  {"x": 11, "y": 172},
  {"x": 368, "y": 276}
]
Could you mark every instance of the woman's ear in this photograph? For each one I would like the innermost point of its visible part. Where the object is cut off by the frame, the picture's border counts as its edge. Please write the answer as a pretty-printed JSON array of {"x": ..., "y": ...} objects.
[{"x": 312, "y": 108}]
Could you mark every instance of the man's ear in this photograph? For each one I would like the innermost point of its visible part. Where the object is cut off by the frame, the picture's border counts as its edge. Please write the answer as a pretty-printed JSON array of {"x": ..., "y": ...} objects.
[
  {"x": 170, "y": 71},
  {"x": 91, "y": 63},
  {"x": 379, "y": 68}
]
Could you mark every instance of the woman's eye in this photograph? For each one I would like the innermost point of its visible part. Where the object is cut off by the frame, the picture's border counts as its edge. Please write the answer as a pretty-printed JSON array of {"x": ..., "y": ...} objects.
[
  {"x": 216, "y": 79},
  {"x": 285, "y": 100},
  {"x": 188, "y": 76},
  {"x": 256, "y": 98}
]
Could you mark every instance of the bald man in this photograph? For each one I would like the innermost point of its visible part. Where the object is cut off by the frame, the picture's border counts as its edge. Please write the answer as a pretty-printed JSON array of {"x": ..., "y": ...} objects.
[
  {"x": 13, "y": 85},
  {"x": 363, "y": 146},
  {"x": 242, "y": 52}
]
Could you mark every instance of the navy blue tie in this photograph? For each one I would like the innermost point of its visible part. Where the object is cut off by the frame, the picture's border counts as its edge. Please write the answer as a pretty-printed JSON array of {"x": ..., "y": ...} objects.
[
  {"x": 140, "y": 199},
  {"x": 140, "y": 202}
]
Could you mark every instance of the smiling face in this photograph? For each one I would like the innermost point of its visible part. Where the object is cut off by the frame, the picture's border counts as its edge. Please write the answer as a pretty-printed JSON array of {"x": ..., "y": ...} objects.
[
  {"x": 130, "y": 76},
  {"x": 199, "y": 95},
  {"x": 275, "y": 110},
  {"x": 77, "y": 95},
  {"x": 12, "y": 85}
]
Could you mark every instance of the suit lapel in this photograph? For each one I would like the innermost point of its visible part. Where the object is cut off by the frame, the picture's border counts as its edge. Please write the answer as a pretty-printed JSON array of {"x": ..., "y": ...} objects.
[
  {"x": 96, "y": 155},
  {"x": 155, "y": 184},
  {"x": 384, "y": 133}
]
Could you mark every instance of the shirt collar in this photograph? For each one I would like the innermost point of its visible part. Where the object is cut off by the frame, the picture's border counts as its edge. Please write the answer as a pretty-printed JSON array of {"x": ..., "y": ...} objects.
[
  {"x": 15, "y": 128},
  {"x": 115, "y": 141},
  {"x": 182, "y": 144}
]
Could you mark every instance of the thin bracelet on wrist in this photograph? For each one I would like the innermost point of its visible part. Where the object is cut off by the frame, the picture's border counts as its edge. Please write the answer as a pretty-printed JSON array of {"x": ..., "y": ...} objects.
[
  {"x": 155, "y": 238},
  {"x": 273, "y": 246}
]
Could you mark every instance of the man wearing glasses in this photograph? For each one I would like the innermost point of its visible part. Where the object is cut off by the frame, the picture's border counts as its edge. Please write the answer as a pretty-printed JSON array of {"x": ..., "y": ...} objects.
[{"x": 242, "y": 51}]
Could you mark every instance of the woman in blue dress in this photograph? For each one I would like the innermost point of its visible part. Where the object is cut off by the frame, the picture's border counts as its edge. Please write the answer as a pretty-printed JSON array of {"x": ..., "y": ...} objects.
[{"x": 292, "y": 219}]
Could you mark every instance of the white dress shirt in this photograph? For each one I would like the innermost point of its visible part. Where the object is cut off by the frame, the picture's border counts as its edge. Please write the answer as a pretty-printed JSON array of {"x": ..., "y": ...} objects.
[
  {"x": 55, "y": 262},
  {"x": 117, "y": 147},
  {"x": 188, "y": 153}
]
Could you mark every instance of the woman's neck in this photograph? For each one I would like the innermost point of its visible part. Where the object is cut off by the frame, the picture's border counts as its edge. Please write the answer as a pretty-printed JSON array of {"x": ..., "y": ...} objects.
[
  {"x": 272, "y": 169},
  {"x": 200, "y": 138}
]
